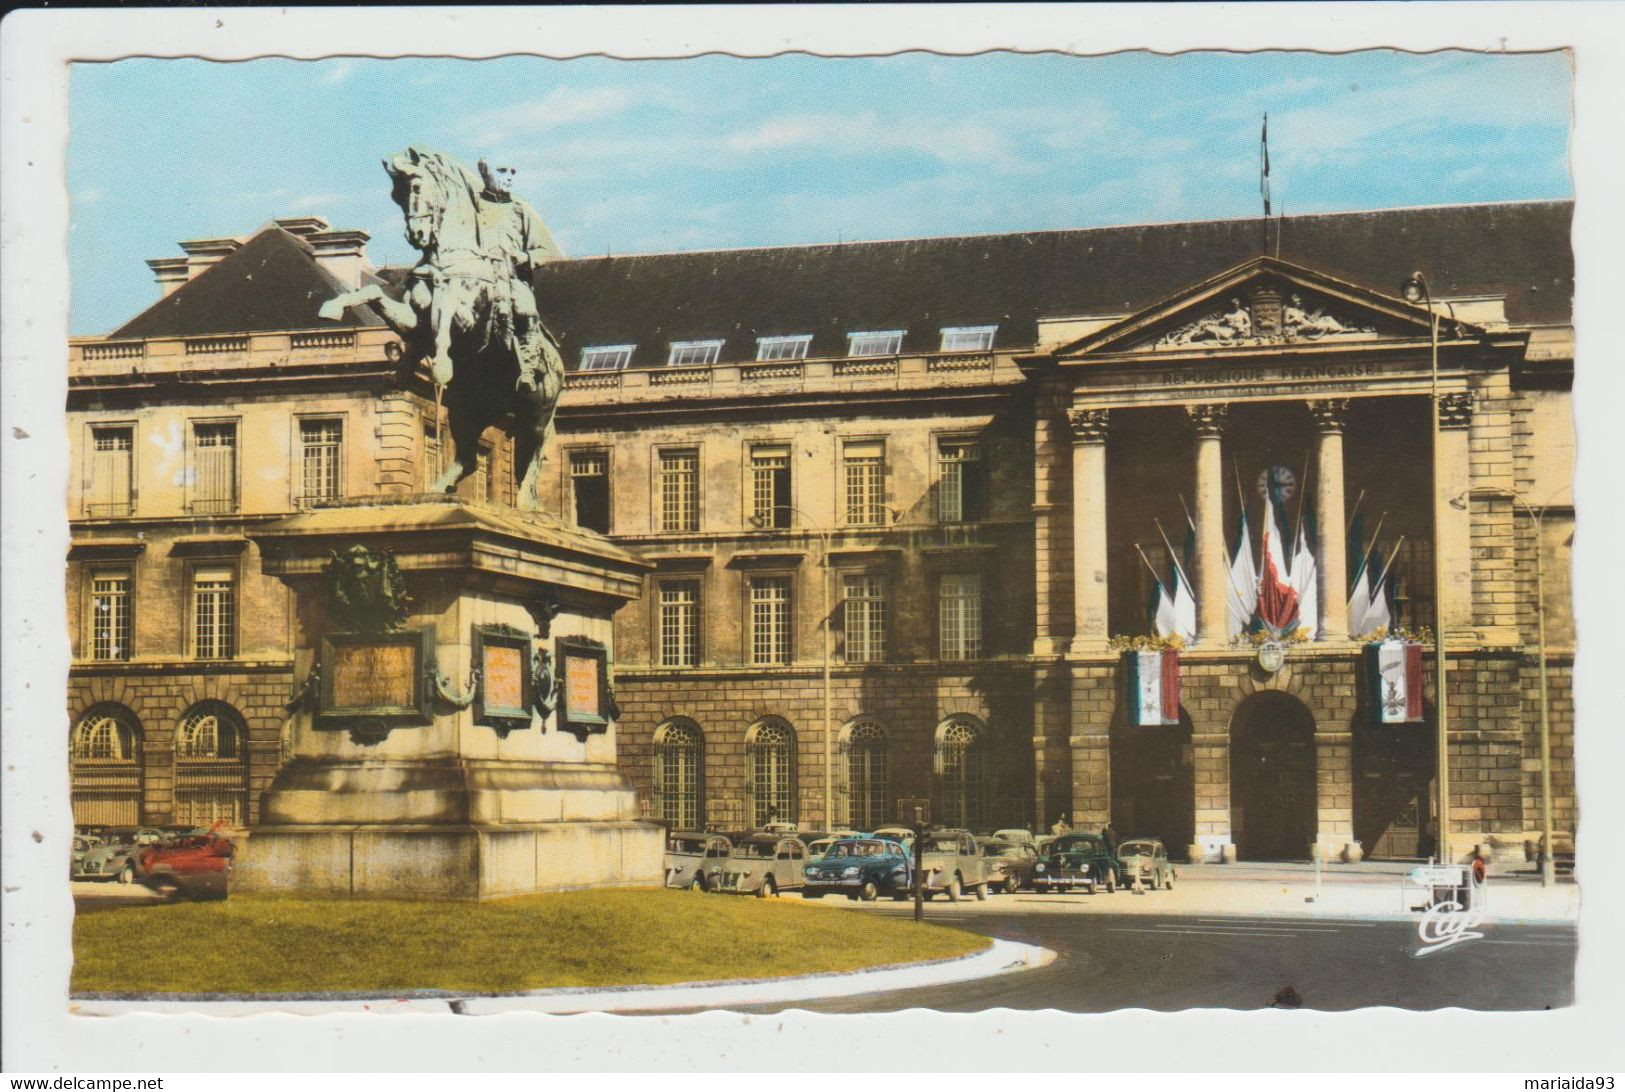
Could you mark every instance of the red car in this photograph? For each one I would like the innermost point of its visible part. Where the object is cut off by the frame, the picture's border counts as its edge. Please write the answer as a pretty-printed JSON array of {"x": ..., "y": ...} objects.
[{"x": 195, "y": 865}]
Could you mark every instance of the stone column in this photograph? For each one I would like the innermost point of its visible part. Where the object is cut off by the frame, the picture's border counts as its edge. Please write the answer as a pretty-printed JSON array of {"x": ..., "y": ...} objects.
[
  {"x": 1089, "y": 603},
  {"x": 1453, "y": 550},
  {"x": 1330, "y": 415},
  {"x": 1210, "y": 576}
]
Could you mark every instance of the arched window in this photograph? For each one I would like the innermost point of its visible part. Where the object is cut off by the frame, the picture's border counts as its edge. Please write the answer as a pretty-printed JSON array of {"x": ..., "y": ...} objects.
[
  {"x": 211, "y": 778},
  {"x": 106, "y": 767},
  {"x": 770, "y": 756},
  {"x": 209, "y": 730},
  {"x": 962, "y": 772},
  {"x": 106, "y": 735},
  {"x": 679, "y": 774},
  {"x": 866, "y": 774}
]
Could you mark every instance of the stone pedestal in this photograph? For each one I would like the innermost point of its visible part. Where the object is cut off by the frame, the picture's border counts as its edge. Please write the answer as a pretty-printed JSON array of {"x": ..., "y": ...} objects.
[{"x": 437, "y": 757}]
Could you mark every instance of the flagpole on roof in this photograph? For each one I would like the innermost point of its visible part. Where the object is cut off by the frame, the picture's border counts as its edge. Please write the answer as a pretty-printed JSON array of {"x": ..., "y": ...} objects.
[{"x": 1264, "y": 176}]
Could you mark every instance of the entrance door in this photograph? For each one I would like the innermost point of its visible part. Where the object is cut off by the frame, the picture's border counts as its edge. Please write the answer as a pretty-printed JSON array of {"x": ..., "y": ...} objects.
[
  {"x": 1393, "y": 789},
  {"x": 1272, "y": 778},
  {"x": 1153, "y": 788}
]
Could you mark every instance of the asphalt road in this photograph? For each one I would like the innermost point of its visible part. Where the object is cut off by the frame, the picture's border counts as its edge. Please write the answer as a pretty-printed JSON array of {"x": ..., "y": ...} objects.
[{"x": 1167, "y": 963}]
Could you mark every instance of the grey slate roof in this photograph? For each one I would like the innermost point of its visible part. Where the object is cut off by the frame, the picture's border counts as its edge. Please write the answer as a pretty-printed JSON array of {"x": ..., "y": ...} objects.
[
  {"x": 1520, "y": 250},
  {"x": 271, "y": 282}
]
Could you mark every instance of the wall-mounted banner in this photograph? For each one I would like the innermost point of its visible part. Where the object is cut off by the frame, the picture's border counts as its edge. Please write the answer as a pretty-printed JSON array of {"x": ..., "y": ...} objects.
[
  {"x": 1152, "y": 686},
  {"x": 1393, "y": 671}
]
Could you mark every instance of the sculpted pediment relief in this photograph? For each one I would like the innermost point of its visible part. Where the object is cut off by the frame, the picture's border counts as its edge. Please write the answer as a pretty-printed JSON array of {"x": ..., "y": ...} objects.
[{"x": 1266, "y": 303}]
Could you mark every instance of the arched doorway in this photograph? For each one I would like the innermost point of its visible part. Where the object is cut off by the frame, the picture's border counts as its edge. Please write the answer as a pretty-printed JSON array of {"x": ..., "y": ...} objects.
[
  {"x": 211, "y": 769},
  {"x": 1393, "y": 789},
  {"x": 1153, "y": 783},
  {"x": 770, "y": 762},
  {"x": 679, "y": 774},
  {"x": 1272, "y": 778},
  {"x": 863, "y": 741},
  {"x": 962, "y": 773},
  {"x": 106, "y": 761}
]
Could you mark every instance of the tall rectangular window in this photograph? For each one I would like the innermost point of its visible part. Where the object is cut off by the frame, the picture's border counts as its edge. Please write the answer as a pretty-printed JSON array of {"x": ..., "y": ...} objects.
[
  {"x": 110, "y": 492},
  {"x": 960, "y": 616},
  {"x": 694, "y": 352},
  {"x": 589, "y": 489},
  {"x": 214, "y": 488},
  {"x": 770, "y": 621},
  {"x": 967, "y": 339},
  {"x": 482, "y": 483},
  {"x": 959, "y": 492},
  {"x": 863, "y": 602},
  {"x": 606, "y": 358},
  {"x": 783, "y": 348},
  {"x": 875, "y": 343},
  {"x": 110, "y": 616},
  {"x": 214, "y": 613},
  {"x": 864, "y": 465},
  {"x": 679, "y": 623},
  {"x": 770, "y": 485},
  {"x": 680, "y": 490},
  {"x": 321, "y": 445}
]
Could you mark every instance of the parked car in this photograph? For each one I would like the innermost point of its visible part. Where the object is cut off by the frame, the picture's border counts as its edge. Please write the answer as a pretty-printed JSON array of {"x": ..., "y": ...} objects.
[
  {"x": 197, "y": 865},
  {"x": 1010, "y": 864},
  {"x": 82, "y": 844},
  {"x": 820, "y": 845},
  {"x": 1144, "y": 861},
  {"x": 951, "y": 864},
  {"x": 117, "y": 857},
  {"x": 860, "y": 868},
  {"x": 903, "y": 836},
  {"x": 1076, "y": 860},
  {"x": 694, "y": 860},
  {"x": 764, "y": 865},
  {"x": 1018, "y": 835}
]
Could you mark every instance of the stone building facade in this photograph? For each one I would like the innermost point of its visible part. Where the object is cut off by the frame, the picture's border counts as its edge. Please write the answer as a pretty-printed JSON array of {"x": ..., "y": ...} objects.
[{"x": 896, "y": 496}]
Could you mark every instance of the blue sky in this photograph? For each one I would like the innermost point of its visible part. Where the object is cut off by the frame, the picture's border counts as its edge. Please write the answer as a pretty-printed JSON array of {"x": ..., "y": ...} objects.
[{"x": 713, "y": 152}]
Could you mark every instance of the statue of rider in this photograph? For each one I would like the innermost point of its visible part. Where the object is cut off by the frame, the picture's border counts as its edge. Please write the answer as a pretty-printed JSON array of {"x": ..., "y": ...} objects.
[{"x": 512, "y": 232}]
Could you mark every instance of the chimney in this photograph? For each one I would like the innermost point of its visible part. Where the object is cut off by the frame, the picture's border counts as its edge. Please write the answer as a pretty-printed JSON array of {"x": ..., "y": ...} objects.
[
  {"x": 302, "y": 225},
  {"x": 202, "y": 253},
  {"x": 171, "y": 273},
  {"x": 341, "y": 253}
]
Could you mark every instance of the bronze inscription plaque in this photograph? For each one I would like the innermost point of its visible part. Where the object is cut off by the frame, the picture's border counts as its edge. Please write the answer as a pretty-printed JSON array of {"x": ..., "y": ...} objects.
[
  {"x": 504, "y": 677},
  {"x": 581, "y": 685},
  {"x": 375, "y": 676}
]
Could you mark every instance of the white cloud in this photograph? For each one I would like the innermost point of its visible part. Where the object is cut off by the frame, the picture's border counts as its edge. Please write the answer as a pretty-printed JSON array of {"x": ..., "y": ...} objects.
[
  {"x": 559, "y": 107},
  {"x": 338, "y": 73}
]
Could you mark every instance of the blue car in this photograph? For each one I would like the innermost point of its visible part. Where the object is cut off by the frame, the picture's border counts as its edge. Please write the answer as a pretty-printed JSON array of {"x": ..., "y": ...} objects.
[{"x": 860, "y": 868}]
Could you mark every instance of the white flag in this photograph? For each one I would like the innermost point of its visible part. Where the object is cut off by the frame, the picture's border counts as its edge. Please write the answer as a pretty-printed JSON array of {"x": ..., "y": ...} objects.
[
  {"x": 1241, "y": 597},
  {"x": 1306, "y": 582}
]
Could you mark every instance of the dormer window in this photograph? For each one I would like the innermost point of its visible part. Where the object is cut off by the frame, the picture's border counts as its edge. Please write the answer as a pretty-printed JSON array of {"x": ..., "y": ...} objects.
[
  {"x": 793, "y": 347},
  {"x": 967, "y": 339},
  {"x": 875, "y": 343},
  {"x": 606, "y": 358},
  {"x": 694, "y": 352}
]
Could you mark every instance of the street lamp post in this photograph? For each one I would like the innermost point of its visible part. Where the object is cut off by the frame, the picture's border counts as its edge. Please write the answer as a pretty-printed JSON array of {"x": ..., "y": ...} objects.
[
  {"x": 1415, "y": 289},
  {"x": 829, "y": 750}
]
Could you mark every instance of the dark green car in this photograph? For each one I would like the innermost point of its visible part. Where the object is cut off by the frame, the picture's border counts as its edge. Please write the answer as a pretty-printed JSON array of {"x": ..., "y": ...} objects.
[{"x": 1076, "y": 860}]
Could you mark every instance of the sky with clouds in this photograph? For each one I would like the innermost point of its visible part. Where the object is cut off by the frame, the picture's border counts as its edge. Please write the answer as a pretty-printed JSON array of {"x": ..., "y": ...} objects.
[{"x": 714, "y": 152}]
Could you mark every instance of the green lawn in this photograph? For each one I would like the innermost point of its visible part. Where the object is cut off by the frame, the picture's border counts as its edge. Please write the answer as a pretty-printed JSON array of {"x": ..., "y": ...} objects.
[{"x": 254, "y": 944}]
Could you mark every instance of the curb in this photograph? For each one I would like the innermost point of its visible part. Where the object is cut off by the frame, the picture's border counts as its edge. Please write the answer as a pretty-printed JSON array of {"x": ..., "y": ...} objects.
[{"x": 1003, "y": 957}]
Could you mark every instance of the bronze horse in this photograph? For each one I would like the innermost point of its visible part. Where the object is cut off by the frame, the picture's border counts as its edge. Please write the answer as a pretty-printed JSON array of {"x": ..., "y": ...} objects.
[{"x": 458, "y": 314}]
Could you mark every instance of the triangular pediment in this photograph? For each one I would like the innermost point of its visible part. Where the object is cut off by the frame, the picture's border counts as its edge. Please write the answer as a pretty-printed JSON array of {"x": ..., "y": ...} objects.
[{"x": 1265, "y": 303}]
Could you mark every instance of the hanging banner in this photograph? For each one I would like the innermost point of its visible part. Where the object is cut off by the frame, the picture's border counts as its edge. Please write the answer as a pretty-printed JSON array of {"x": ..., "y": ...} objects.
[
  {"x": 1394, "y": 677},
  {"x": 1152, "y": 686}
]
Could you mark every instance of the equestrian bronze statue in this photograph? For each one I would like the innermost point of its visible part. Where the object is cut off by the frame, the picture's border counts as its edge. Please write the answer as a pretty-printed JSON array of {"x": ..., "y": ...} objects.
[{"x": 467, "y": 307}]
